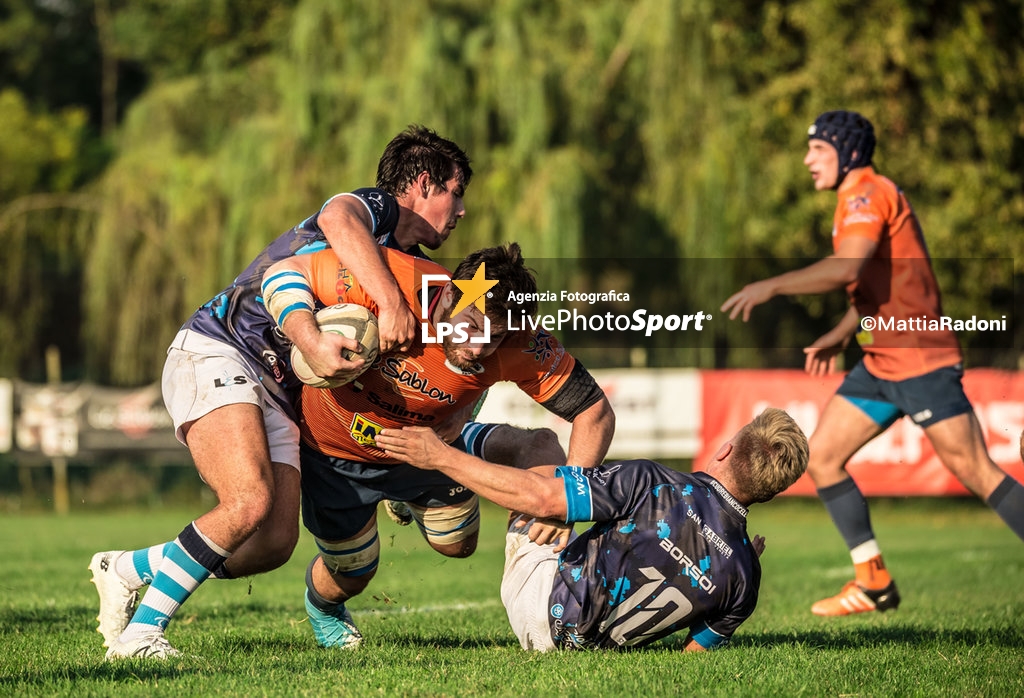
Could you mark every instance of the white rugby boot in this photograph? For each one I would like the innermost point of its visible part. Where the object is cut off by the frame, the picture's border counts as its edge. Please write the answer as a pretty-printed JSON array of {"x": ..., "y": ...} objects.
[
  {"x": 152, "y": 646},
  {"x": 117, "y": 600}
]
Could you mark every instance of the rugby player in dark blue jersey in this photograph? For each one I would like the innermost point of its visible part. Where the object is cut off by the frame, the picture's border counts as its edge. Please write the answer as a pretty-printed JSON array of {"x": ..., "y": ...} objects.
[
  {"x": 668, "y": 552},
  {"x": 231, "y": 393}
]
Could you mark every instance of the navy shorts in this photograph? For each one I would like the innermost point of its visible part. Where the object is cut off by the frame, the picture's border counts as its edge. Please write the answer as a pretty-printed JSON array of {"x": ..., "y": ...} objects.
[
  {"x": 340, "y": 496},
  {"x": 928, "y": 399}
]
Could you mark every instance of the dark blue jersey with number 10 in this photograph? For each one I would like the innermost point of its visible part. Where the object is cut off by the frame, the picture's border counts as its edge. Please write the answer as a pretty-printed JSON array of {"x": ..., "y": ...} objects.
[{"x": 670, "y": 553}]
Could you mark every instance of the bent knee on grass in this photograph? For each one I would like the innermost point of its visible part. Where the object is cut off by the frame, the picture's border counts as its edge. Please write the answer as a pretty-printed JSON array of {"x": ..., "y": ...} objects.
[{"x": 457, "y": 550}]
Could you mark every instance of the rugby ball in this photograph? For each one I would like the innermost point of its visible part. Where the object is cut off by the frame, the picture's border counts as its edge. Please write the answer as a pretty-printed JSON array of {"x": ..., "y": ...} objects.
[{"x": 348, "y": 319}]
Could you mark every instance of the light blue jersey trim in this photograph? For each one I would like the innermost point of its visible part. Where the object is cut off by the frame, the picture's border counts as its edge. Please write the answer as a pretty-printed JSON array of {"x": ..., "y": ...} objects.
[
  {"x": 578, "y": 497},
  {"x": 288, "y": 311},
  {"x": 706, "y": 637},
  {"x": 475, "y": 434},
  {"x": 311, "y": 248},
  {"x": 301, "y": 280}
]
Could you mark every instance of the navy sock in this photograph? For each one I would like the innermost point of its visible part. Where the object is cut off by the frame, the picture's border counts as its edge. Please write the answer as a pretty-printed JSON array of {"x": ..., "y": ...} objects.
[
  {"x": 849, "y": 511},
  {"x": 314, "y": 597},
  {"x": 1007, "y": 500}
]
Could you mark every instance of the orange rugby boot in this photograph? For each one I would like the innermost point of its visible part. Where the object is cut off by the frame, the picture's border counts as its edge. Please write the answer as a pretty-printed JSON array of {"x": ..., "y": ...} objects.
[{"x": 855, "y": 598}]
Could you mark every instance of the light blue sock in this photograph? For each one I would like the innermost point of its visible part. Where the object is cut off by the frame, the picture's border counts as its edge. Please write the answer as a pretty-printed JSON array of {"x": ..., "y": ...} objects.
[
  {"x": 137, "y": 567},
  {"x": 187, "y": 563}
]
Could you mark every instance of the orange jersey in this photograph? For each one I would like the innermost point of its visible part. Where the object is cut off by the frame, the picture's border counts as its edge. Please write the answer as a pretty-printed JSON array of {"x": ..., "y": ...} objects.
[
  {"x": 417, "y": 388},
  {"x": 897, "y": 283}
]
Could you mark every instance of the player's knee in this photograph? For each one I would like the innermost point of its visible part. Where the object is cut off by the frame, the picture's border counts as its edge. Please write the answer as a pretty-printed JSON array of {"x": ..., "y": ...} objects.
[
  {"x": 352, "y": 563},
  {"x": 463, "y": 548},
  {"x": 279, "y": 546},
  {"x": 823, "y": 470},
  {"x": 452, "y": 530},
  {"x": 248, "y": 510}
]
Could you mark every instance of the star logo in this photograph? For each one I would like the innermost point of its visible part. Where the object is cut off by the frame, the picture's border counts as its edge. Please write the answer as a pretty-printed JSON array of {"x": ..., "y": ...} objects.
[{"x": 473, "y": 291}]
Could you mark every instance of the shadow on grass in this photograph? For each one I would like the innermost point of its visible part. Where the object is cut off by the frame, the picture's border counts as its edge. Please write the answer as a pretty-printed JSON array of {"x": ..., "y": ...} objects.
[
  {"x": 292, "y": 655},
  {"x": 910, "y": 635},
  {"x": 124, "y": 671},
  {"x": 421, "y": 641},
  {"x": 46, "y": 620},
  {"x": 223, "y": 655},
  {"x": 373, "y": 643}
]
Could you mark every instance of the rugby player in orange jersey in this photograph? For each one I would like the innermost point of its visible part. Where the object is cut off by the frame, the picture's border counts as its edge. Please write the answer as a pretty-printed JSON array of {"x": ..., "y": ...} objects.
[
  {"x": 345, "y": 474},
  {"x": 880, "y": 258}
]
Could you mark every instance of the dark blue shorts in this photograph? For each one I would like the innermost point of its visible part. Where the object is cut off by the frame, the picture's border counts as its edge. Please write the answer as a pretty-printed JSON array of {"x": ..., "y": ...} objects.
[
  {"x": 340, "y": 496},
  {"x": 928, "y": 399}
]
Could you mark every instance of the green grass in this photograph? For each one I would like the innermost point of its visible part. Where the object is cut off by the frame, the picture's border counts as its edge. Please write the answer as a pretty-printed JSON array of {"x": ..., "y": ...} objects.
[{"x": 435, "y": 627}]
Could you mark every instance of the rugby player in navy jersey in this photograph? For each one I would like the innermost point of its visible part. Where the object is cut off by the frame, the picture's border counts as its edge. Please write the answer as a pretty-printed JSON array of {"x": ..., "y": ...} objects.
[
  {"x": 668, "y": 552},
  {"x": 231, "y": 393}
]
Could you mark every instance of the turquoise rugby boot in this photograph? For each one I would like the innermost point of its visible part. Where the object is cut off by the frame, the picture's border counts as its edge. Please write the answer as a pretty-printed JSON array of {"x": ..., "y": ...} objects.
[{"x": 334, "y": 628}]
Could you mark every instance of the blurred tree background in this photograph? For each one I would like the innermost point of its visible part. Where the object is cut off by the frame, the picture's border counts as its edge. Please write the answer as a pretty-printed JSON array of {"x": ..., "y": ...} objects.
[{"x": 151, "y": 147}]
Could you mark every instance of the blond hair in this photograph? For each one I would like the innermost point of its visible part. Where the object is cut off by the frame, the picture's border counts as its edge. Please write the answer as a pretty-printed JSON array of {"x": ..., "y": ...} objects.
[{"x": 770, "y": 454}]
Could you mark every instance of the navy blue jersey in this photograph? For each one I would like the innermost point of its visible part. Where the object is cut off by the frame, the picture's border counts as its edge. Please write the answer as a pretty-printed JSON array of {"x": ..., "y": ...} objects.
[
  {"x": 670, "y": 552},
  {"x": 237, "y": 316}
]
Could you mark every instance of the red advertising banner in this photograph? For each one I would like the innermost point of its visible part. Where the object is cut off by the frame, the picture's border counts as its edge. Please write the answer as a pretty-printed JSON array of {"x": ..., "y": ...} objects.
[{"x": 898, "y": 462}]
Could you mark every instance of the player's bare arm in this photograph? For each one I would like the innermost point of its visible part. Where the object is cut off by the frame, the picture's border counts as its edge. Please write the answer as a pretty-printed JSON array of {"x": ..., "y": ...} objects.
[
  {"x": 512, "y": 488},
  {"x": 291, "y": 306},
  {"x": 592, "y": 432},
  {"x": 820, "y": 357},
  {"x": 347, "y": 226},
  {"x": 829, "y": 274}
]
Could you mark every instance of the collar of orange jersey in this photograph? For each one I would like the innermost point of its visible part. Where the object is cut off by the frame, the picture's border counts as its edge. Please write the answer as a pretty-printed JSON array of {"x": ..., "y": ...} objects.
[
  {"x": 433, "y": 298},
  {"x": 854, "y": 177}
]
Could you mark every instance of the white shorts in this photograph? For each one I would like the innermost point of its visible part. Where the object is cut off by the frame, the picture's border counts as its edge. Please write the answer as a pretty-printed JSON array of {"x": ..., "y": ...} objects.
[
  {"x": 526, "y": 588},
  {"x": 202, "y": 374}
]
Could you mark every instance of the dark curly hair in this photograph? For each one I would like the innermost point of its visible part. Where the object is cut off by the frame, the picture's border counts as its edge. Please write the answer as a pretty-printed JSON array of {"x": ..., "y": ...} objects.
[
  {"x": 418, "y": 149},
  {"x": 504, "y": 263}
]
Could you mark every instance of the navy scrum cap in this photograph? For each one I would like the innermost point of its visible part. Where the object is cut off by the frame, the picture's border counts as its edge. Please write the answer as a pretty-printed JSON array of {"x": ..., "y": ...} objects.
[{"x": 850, "y": 134}]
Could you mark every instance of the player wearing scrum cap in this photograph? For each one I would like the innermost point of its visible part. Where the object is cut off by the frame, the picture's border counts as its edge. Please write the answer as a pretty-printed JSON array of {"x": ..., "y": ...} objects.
[{"x": 881, "y": 260}]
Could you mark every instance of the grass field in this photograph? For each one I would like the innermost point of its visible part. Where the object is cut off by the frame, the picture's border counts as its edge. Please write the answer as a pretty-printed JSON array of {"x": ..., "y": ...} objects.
[{"x": 435, "y": 627}]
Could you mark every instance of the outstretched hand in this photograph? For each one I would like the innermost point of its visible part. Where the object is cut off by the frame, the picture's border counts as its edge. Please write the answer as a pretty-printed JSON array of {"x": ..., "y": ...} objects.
[
  {"x": 757, "y": 543},
  {"x": 820, "y": 357},
  {"x": 747, "y": 298},
  {"x": 420, "y": 447},
  {"x": 821, "y": 361}
]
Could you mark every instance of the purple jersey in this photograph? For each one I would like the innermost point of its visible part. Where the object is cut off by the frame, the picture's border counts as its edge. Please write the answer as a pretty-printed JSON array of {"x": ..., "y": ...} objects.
[
  {"x": 237, "y": 316},
  {"x": 669, "y": 552}
]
